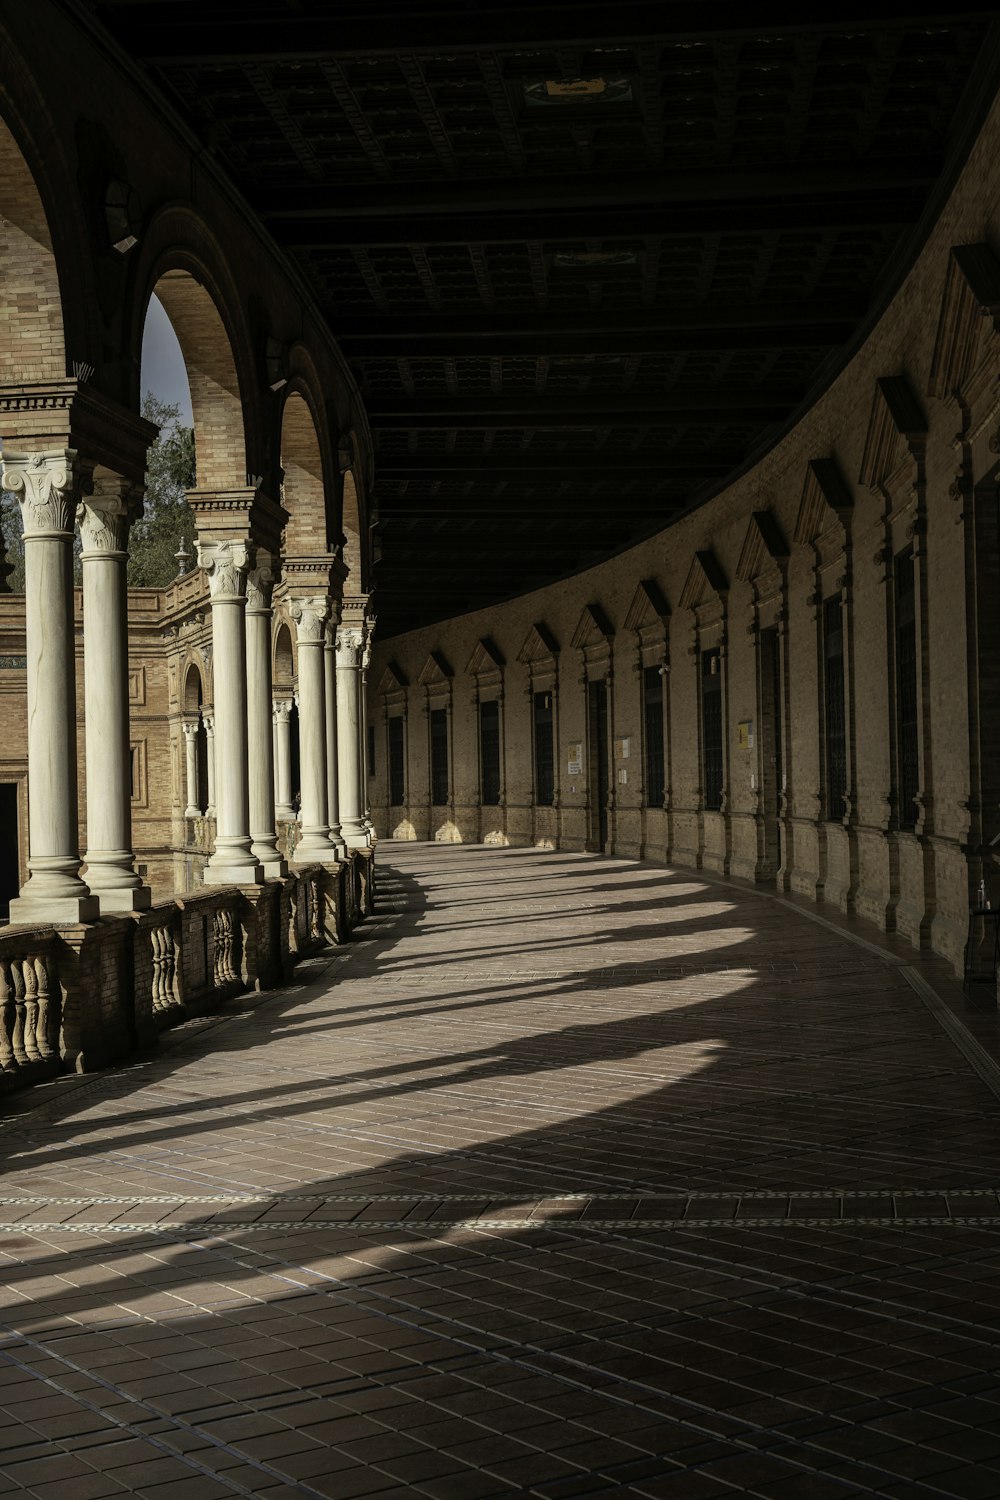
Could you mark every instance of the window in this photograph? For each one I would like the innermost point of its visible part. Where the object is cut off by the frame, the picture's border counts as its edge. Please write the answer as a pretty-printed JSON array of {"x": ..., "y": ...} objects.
[
  {"x": 439, "y": 757},
  {"x": 489, "y": 752},
  {"x": 544, "y": 751},
  {"x": 397, "y": 780},
  {"x": 908, "y": 761},
  {"x": 835, "y": 722},
  {"x": 711, "y": 728},
  {"x": 652, "y": 711}
]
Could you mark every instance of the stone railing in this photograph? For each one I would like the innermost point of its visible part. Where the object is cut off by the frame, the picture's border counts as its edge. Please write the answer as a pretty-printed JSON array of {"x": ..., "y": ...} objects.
[
  {"x": 83, "y": 997},
  {"x": 30, "y": 1006}
]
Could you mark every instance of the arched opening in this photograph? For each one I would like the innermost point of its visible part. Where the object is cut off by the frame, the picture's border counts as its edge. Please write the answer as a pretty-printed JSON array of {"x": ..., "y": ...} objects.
[
  {"x": 283, "y": 679},
  {"x": 193, "y": 704},
  {"x": 303, "y": 489},
  {"x": 32, "y": 338},
  {"x": 352, "y": 532}
]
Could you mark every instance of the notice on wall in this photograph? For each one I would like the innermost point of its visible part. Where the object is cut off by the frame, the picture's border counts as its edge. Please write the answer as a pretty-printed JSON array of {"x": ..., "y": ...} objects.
[
  {"x": 574, "y": 759},
  {"x": 744, "y": 734},
  {"x": 623, "y": 747}
]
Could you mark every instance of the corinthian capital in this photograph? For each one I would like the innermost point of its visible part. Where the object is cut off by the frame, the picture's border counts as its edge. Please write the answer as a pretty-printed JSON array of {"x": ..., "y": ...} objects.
[
  {"x": 106, "y": 515},
  {"x": 260, "y": 583},
  {"x": 46, "y": 486},
  {"x": 350, "y": 645},
  {"x": 310, "y": 618},
  {"x": 227, "y": 565}
]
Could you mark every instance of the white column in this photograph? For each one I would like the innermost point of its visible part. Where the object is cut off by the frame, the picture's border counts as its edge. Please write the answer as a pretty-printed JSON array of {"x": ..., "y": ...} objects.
[
  {"x": 45, "y": 485},
  {"x": 209, "y": 723},
  {"x": 260, "y": 729},
  {"x": 310, "y": 616},
  {"x": 233, "y": 862},
  {"x": 332, "y": 773},
  {"x": 366, "y": 812},
  {"x": 350, "y": 645},
  {"x": 104, "y": 525},
  {"x": 281, "y": 714},
  {"x": 191, "y": 769}
]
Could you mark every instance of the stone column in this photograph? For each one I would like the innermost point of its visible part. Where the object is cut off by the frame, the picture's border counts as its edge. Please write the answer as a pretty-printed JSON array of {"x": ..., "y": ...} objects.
[
  {"x": 233, "y": 862},
  {"x": 46, "y": 486},
  {"x": 209, "y": 723},
  {"x": 191, "y": 769},
  {"x": 260, "y": 729},
  {"x": 365, "y": 767},
  {"x": 310, "y": 616},
  {"x": 104, "y": 526},
  {"x": 281, "y": 714},
  {"x": 350, "y": 645},
  {"x": 332, "y": 769}
]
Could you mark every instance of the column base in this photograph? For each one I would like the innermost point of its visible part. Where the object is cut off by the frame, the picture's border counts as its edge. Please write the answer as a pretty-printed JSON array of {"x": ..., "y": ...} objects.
[
  {"x": 138, "y": 898},
  {"x": 362, "y": 840},
  {"x": 274, "y": 869},
  {"x": 45, "y": 911},
  {"x": 224, "y": 874}
]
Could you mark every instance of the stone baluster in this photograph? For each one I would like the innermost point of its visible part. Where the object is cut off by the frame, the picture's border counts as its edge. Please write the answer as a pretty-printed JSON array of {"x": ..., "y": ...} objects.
[
  {"x": 350, "y": 646},
  {"x": 332, "y": 768},
  {"x": 47, "y": 485},
  {"x": 281, "y": 713},
  {"x": 260, "y": 729},
  {"x": 192, "y": 810},
  {"x": 310, "y": 615},
  {"x": 209, "y": 722},
  {"x": 105, "y": 517},
  {"x": 226, "y": 564}
]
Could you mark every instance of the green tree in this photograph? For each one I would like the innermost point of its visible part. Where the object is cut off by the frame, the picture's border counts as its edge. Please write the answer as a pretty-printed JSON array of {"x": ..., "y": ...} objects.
[
  {"x": 10, "y": 541},
  {"x": 167, "y": 519}
]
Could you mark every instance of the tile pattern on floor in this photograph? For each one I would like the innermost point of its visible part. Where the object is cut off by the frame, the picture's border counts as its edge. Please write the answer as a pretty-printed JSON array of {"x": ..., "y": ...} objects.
[{"x": 568, "y": 1176}]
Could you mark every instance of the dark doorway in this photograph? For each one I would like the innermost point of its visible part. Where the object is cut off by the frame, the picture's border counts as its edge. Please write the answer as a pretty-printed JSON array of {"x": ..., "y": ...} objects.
[
  {"x": 770, "y": 748},
  {"x": 489, "y": 752},
  {"x": 9, "y": 872},
  {"x": 439, "y": 757},
  {"x": 599, "y": 774},
  {"x": 293, "y": 754}
]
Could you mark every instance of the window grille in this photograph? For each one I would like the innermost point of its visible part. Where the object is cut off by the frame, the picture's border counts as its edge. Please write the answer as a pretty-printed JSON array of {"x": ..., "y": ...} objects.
[
  {"x": 544, "y": 751},
  {"x": 834, "y": 708},
  {"x": 439, "y": 757},
  {"x": 489, "y": 752},
  {"x": 652, "y": 692},
  {"x": 397, "y": 780},
  {"x": 907, "y": 729},
  {"x": 711, "y": 728}
]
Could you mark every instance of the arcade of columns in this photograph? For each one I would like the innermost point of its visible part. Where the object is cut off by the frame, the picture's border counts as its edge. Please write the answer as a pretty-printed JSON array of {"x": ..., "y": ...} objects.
[{"x": 239, "y": 549}]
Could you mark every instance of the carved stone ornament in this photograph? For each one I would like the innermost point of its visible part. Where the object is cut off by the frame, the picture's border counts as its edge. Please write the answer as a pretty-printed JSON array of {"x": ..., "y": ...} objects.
[
  {"x": 45, "y": 486},
  {"x": 280, "y": 711},
  {"x": 105, "y": 518},
  {"x": 260, "y": 583},
  {"x": 350, "y": 645},
  {"x": 226, "y": 564},
  {"x": 190, "y": 730},
  {"x": 310, "y": 619}
]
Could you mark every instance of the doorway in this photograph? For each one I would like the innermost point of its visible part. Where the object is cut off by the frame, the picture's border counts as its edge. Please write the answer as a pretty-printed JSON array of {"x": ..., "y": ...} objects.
[
  {"x": 772, "y": 737},
  {"x": 600, "y": 778},
  {"x": 9, "y": 869}
]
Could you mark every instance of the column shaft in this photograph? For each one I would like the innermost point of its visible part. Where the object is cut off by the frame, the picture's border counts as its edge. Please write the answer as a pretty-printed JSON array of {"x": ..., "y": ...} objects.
[
  {"x": 332, "y": 767},
  {"x": 192, "y": 810},
  {"x": 350, "y": 643},
  {"x": 111, "y": 875},
  {"x": 233, "y": 862},
  {"x": 209, "y": 723},
  {"x": 310, "y": 619},
  {"x": 45, "y": 485},
  {"x": 281, "y": 713},
  {"x": 260, "y": 731}
]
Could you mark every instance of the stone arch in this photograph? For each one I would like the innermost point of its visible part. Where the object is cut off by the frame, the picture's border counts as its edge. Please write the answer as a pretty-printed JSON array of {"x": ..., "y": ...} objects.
[
  {"x": 194, "y": 689},
  {"x": 283, "y": 671},
  {"x": 304, "y": 488},
  {"x": 181, "y": 263},
  {"x": 32, "y": 333}
]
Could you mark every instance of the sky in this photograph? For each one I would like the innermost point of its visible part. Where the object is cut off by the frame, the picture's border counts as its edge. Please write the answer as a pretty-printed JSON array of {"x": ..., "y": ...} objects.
[{"x": 162, "y": 370}]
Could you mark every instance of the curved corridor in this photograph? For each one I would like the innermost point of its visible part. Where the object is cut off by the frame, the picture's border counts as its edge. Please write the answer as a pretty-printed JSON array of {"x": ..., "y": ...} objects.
[{"x": 566, "y": 1176}]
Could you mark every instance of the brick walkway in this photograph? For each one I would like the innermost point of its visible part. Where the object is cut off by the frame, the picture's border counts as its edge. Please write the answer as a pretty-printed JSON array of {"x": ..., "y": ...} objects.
[{"x": 569, "y": 1176}]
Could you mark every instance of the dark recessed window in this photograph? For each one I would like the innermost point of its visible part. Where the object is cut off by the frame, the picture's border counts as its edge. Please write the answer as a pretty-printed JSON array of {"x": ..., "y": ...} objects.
[
  {"x": 439, "y": 757},
  {"x": 489, "y": 752},
  {"x": 397, "y": 780},
  {"x": 544, "y": 751},
  {"x": 907, "y": 729},
  {"x": 835, "y": 718},
  {"x": 652, "y": 694},
  {"x": 711, "y": 728}
]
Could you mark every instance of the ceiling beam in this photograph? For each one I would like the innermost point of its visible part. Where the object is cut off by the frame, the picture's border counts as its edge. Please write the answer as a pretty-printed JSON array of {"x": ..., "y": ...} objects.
[
  {"x": 487, "y": 466},
  {"x": 435, "y": 344},
  {"x": 677, "y": 187},
  {"x": 305, "y": 231},
  {"x": 170, "y": 33},
  {"x": 762, "y": 404}
]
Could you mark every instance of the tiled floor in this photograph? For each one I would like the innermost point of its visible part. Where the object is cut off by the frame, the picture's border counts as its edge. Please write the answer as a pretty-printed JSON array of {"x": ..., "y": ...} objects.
[{"x": 569, "y": 1176}]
